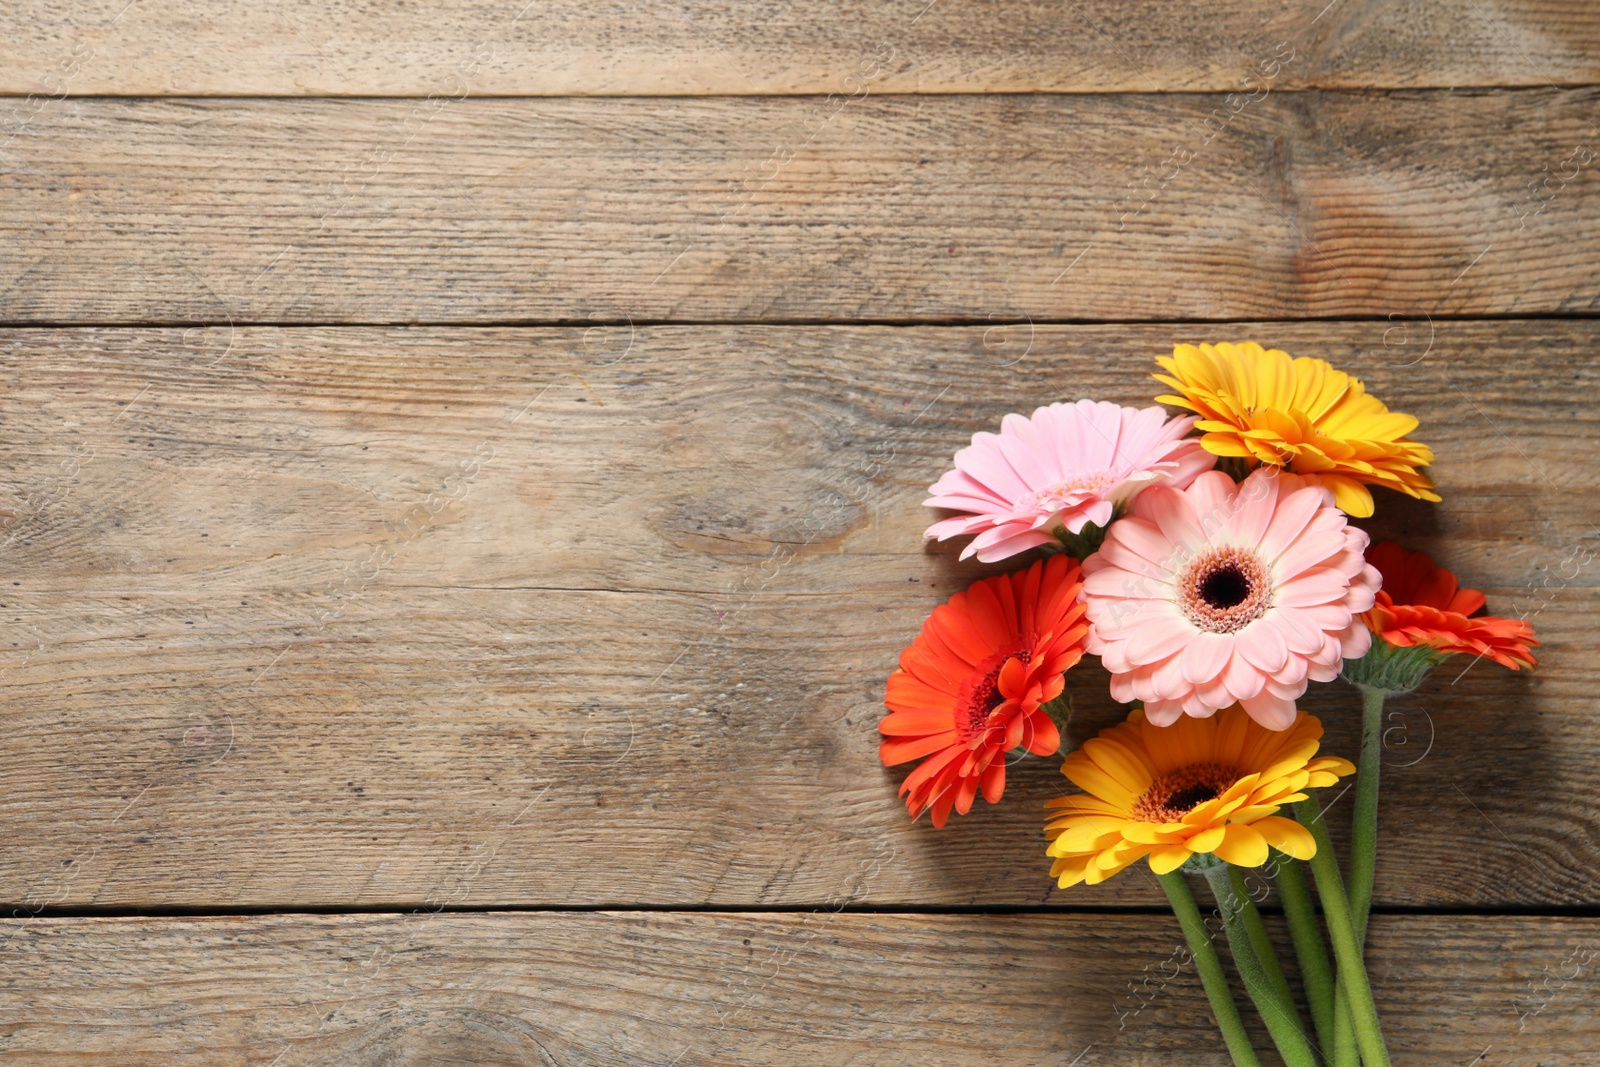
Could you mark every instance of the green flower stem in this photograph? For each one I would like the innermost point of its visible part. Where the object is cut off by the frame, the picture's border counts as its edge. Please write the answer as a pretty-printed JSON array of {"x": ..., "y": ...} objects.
[
  {"x": 1283, "y": 1022},
  {"x": 1266, "y": 954},
  {"x": 1364, "y": 840},
  {"x": 1315, "y": 970},
  {"x": 1210, "y": 968},
  {"x": 1345, "y": 1053},
  {"x": 1346, "y": 947},
  {"x": 1363, "y": 858}
]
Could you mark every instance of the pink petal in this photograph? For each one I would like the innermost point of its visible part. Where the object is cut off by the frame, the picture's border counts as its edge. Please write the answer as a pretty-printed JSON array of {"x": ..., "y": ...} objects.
[
  {"x": 1355, "y": 642},
  {"x": 1264, "y": 645},
  {"x": 1242, "y": 678},
  {"x": 1308, "y": 551},
  {"x": 1163, "y": 712},
  {"x": 1294, "y": 512},
  {"x": 1170, "y": 511},
  {"x": 1108, "y": 582},
  {"x": 1205, "y": 656},
  {"x": 1272, "y": 712},
  {"x": 1215, "y": 694},
  {"x": 1142, "y": 539},
  {"x": 1166, "y": 678},
  {"x": 1098, "y": 512},
  {"x": 1253, "y": 514},
  {"x": 1211, "y": 496},
  {"x": 1003, "y": 542},
  {"x": 1316, "y": 586},
  {"x": 1327, "y": 617},
  {"x": 1021, "y": 451},
  {"x": 1298, "y": 632},
  {"x": 948, "y": 528}
]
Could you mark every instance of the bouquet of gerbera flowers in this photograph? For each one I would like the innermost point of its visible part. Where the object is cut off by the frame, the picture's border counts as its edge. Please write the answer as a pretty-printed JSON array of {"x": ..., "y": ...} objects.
[{"x": 1208, "y": 559}]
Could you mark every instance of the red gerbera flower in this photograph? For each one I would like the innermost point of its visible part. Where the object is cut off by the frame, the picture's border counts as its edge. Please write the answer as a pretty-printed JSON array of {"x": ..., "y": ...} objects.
[
  {"x": 1423, "y": 604},
  {"x": 972, "y": 685}
]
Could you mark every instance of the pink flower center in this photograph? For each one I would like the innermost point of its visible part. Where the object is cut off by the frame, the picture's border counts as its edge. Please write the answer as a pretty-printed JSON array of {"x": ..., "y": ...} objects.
[
  {"x": 1178, "y": 792},
  {"x": 982, "y": 695},
  {"x": 1224, "y": 590},
  {"x": 1070, "y": 493}
]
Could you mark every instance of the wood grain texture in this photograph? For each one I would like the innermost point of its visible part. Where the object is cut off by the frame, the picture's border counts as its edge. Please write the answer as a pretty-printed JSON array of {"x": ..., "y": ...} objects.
[
  {"x": 225, "y": 47},
  {"x": 782, "y": 210},
  {"x": 822, "y": 988},
  {"x": 330, "y": 617}
]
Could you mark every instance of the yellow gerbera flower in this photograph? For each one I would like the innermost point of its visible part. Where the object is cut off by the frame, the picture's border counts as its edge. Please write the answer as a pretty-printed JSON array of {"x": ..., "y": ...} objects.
[
  {"x": 1199, "y": 785},
  {"x": 1303, "y": 414}
]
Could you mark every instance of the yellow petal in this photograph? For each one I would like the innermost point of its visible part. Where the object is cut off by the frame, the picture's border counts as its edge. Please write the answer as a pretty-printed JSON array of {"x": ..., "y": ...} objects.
[
  {"x": 1351, "y": 496},
  {"x": 1085, "y": 837},
  {"x": 1254, "y": 812},
  {"x": 1097, "y": 873},
  {"x": 1081, "y": 804},
  {"x": 1119, "y": 761},
  {"x": 1069, "y": 871},
  {"x": 1147, "y": 833},
  {"x": 1084, "y": 773},
  {"x": 1332, "y": 763},
  {"x": 1288, "y": 837},
  {"x": 1243, "y": 846},
  {"x": 1225, "y": 444},
  {"x": 1291, "y": 759},
  {"x": 1207, "y": 840},
  {"x": 1169, "y": 858}
]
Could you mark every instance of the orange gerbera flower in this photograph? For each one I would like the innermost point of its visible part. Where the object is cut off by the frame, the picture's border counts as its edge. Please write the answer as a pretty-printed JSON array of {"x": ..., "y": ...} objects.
[
  {"x": 973, "y": 684},
  {"x": 1422, "y": 604}
]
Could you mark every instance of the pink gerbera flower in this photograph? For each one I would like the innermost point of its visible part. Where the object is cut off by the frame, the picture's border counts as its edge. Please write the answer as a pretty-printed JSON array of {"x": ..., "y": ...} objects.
[
  {"x": 1068, "y": 466},
  {"x": 1220, "y": 593}
]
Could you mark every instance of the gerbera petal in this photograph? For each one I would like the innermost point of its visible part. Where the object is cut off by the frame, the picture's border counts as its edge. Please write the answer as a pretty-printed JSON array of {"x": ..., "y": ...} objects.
[
  {"x": 1089, "y": 776},
  {"x": 894, "y": 752},
  {"x": 1271, "y": 711},
  {"x": 1243, "y": 846},
  {"x": 1130, "y": 767},
  {"x": 1205, "y": 656},
  {"x": 1042, "y": 738},
  {"x": 1288, "y": 837},
  {"x": 993, "y": 547},
  {"x": 1163, "y": 712},
  {"x": 1294, "y": 511},
  {"x": 1168, "y": 858},
  {"x": 916, "y": 723}
]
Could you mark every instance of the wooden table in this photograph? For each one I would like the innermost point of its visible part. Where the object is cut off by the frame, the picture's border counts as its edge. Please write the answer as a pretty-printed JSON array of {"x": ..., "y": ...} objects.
[{"x": 462, "y": 469}]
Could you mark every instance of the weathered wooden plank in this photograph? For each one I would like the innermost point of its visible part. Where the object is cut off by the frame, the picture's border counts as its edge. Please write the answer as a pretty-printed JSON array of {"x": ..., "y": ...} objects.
[
  {"x": 980, "y": 207},
  {"x": 322, "y": 617},
  {"x": 741, "y": 46},
  {"x": 820, "y": 988}
]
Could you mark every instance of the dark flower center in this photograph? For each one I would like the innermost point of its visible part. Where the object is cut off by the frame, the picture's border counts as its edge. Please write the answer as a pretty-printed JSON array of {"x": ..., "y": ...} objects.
[
  {"x": 983, "y": 694},
  {"x": 1186, "y": 799},
  {"x": 1178, "y": 792},
  {"x": 1224, "y": 589}
]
